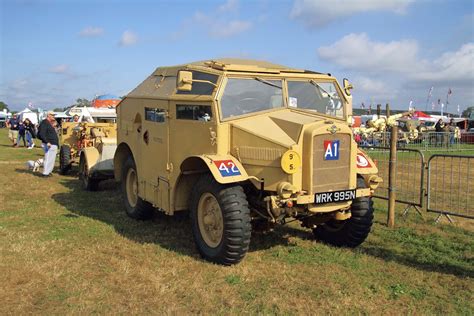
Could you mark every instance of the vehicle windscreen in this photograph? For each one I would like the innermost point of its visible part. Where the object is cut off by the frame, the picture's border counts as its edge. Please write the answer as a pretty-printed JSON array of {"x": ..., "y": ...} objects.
[
  {"x": 321, "y": 97},
  {"x": 244, "y": 96}
]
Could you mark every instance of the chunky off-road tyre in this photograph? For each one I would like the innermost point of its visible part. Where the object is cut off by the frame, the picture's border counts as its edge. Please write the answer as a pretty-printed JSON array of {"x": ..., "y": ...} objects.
[
  {"x": 64, "y": 159},
  {"x": 220, "y": 218},
  {"x": 353, "y": 231},
  {"x": 88, "y": 183},
  {"x": 134, "y": 206}
]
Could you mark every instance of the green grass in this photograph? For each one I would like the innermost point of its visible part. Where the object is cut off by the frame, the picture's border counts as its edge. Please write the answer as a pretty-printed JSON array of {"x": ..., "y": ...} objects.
[{"x": 67, "y": 251}]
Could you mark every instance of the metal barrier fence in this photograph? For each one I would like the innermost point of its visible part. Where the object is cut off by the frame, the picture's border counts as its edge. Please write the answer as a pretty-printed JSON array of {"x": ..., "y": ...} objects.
[
  {"x": 450, "y": 178},
  {"x": 409, "y": 184},
  {"x": 427, "y": 141},
  {"x": 450, "y": 188}
]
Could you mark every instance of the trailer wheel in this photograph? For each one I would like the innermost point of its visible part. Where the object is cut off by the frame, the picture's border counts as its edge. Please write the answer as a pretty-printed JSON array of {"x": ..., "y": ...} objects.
[
  {"x": 220, "y": 219},
  {"x": 135, "y": 206},
  {"x": 88, "y": 183},
  {"x": 353, "y": 231},
  {"x": 64, "y": 159}
]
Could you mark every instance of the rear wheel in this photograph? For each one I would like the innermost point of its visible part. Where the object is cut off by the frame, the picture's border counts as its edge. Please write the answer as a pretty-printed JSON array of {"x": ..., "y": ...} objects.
[
  {"x": 353, "y": 231},
  {"x": 64, "y": 159},
  {"x": 134, "y": 206},
  {"x": 220, "y": 218},
  {"x": 88, "y": 183}
]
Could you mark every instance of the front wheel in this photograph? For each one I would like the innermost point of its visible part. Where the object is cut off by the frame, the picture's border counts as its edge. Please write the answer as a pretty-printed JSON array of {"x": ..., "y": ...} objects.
[
  {"x": 353, "y": 231},
  {"x": 220, "y": 219}
]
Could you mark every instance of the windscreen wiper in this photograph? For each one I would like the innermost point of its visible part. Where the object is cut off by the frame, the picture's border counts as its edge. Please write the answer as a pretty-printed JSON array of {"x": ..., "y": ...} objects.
[
  {"x": 331, "y": 99},
  {"x": 267, "y": 82},
  {"x": 314, "y": 83}
]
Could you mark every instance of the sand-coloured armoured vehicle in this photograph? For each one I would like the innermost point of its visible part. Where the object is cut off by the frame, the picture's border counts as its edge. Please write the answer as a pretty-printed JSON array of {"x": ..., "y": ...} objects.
[{"x": 235, "y": 141}]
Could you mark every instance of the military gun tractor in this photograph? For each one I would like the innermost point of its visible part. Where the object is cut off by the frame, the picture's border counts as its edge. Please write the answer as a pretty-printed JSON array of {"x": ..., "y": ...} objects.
[{"x": 235, "y": 142}]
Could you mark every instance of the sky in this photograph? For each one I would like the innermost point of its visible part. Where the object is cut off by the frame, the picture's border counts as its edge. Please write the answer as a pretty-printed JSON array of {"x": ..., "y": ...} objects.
[{"x": 53, "y": 52}]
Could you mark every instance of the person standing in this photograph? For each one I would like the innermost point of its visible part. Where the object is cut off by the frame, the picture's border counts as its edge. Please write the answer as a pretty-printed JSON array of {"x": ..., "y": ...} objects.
[
  {"x": 439, "y": 127},
  {"x": 13, "y": 123},
  {"x": 21, "y": 134},
  {"x": 30, "y": 133},
  {"x": 50, "y": 141}
]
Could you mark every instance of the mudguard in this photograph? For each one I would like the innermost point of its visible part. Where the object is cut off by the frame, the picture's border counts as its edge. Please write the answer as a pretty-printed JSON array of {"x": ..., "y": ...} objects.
[
  {"x": 91, "y": 155},
  {"x": 365, "y": 165},
  {"x": 225, "y": 168}
]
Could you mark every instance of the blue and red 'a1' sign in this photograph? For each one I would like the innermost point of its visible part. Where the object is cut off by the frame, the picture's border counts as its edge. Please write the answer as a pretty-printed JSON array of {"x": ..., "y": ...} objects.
[{"x": 331, "y": 150}]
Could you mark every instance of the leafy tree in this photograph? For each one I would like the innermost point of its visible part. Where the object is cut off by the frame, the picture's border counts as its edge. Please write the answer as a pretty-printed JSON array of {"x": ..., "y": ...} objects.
[
  {"x": 82, "y": 102},
  {"x": 469, "y": 112},
  {"x": 3, "y": 106}
]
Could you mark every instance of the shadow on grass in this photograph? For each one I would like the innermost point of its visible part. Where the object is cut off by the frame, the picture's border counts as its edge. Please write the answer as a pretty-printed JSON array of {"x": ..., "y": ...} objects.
[
  {"x": 105, "y": 205},
  {"x": 39, "y": 173},
  {"x": 419, "y": 263},
  {"x": 170, "y": 232},
  {"x": 174, "y": 232}
]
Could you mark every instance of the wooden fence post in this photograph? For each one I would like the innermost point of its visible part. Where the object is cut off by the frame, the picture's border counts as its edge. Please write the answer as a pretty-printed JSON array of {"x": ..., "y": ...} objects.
[{"x": 392, "y": 169}]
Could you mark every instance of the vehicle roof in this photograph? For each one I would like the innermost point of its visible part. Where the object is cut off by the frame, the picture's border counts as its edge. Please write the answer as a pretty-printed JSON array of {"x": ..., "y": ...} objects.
[{"x": 162, "y": 82}]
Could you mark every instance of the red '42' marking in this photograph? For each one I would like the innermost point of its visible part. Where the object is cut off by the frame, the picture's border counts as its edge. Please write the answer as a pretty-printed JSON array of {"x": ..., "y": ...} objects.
[{"x": 227, "y": 168}]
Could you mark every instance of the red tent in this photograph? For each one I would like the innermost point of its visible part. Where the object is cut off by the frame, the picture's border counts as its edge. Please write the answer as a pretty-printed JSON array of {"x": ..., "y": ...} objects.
[{"x": 421, "y": 114}]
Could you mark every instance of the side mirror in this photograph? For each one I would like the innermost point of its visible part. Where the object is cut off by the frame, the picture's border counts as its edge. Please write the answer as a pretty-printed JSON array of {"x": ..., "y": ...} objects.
[
  {"x": 347, "y": 86},
  {"x": 184, "y": 81}
]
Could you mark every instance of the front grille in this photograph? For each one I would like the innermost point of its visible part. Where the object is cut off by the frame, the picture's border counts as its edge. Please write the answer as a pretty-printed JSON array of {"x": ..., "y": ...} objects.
[{"x": 331, "y": 175}]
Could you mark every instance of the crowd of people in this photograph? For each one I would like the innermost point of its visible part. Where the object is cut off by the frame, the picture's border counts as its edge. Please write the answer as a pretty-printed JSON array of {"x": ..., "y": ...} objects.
[
  {"x": 24, "y": 131},
  {"x": 21, "y": 130}
]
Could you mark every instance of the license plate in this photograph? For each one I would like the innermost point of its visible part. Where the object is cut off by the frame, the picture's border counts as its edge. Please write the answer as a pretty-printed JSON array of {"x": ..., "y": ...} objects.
[{"x": 334, "y": 196}]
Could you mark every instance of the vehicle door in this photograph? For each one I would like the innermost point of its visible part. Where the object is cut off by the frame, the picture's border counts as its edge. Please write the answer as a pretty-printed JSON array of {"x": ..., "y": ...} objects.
[
  {"x": 192, "y": 132},
  {"x": 154, "y": 153}
]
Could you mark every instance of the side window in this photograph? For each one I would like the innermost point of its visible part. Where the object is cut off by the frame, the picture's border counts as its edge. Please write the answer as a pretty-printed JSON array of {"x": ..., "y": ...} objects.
[
  {"x": 201, "y": 88},
  {"x": 155, "y": 115},
  {"x": 193, "y": 112}
]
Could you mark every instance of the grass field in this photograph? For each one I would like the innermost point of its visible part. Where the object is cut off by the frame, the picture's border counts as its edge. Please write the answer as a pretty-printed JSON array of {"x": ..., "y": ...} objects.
[{"x": 66, "y": 251}]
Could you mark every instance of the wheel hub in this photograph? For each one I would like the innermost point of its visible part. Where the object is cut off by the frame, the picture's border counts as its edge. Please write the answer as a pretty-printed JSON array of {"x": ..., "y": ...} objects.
[
  {"x": 132, "y": 187},
  {"x": 210, "y": 221}
]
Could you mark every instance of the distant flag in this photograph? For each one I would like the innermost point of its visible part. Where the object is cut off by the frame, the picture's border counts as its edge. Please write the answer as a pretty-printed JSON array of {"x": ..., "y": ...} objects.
[
  {"x": 450, "y": 92},
  {"x": 428, "y": 98},
  {"x": 410, "y": 107},
  {"x": 362, "y": 106},
  {"x": 439, "y": 101}
]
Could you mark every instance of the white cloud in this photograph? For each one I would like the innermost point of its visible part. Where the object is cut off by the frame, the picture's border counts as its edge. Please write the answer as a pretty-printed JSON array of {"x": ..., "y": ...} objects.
[
  {"x": 60, "y": 69},
  {"x": 455, "y": 66},
  {"x": 91, "y": 31},
  {"x": 219, "y": 28},
  {"x": 359, "y": 52},
  {"x": 318, "y": 13},
  {"x": 376, "y": 88},
  {"x": 395, "y": 72},
  {"x": 230, "y": 29},
  {"x": 229, "y": 6},
  {"x": 129, "y": 38}
]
